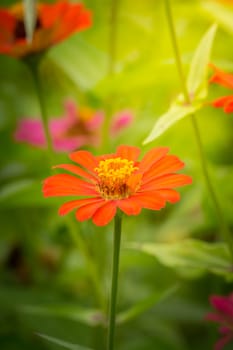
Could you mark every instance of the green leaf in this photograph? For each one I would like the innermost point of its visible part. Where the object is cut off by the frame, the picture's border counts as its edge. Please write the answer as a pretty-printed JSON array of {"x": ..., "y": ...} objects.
[
  {"x": 196, "y": 85},
  {"x": 14, "y": 188},
  {"x": 30, "y": 17},
  {"x": 197, "y": 78},
  {"x": 63, "y": 343},
  {"x": 191, "y": 257},
  {"x": 90, "y": 317},
  {"x": 79, "y": 61},
  {"x": 173, "y": 115},
  {"x": 146, "y": 304},
  {"x": 24, "y": 192}
]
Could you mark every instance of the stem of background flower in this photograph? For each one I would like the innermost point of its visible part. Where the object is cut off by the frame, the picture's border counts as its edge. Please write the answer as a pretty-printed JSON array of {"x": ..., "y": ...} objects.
[
  {"x": 115, "y": 270},
  {"x": 34, "y": 68},
  {"x": 80, "y": 243},
  {"x": 113, "y": 21},
  {"x": 224, "y": 228},
  {"x": 113, "y": 35}
]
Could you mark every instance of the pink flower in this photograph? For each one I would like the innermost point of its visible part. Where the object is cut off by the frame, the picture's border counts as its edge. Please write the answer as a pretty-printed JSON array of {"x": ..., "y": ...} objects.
[
  {"x": 120, "y": 121},
  {"x": 78, "y": 127},
  {"x": 224, "y": 316}
]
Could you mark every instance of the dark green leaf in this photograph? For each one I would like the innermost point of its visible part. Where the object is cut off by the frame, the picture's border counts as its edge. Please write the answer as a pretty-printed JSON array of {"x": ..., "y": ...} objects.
[
  {"x": 86, "y": 316},
  {"x": 63, "y": 343},
  {"x": 146, "y": 304}
]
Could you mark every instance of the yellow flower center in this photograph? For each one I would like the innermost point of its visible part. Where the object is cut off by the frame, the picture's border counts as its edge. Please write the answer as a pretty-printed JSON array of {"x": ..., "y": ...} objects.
[
  {"x": 86, "y": 113},
  {"x": 113, "y": 175}
]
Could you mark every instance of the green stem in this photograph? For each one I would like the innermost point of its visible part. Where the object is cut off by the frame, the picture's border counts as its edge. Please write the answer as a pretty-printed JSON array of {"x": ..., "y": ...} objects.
[
  {"x": 115, "y": 270},
  {"x": 113, "y": 36},
  {"x": 34, "y": 68},
  {"x": 224, "y": 228},
  {"x": 80, "y": 243},
  {"x": 176, "y": 49},
  {"x": 112, "y": 46}
]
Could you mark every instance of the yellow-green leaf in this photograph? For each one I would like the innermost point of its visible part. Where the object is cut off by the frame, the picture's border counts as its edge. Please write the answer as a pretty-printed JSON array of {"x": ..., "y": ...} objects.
[
  {"x": 197, "y": 78},
  {"x": 173, "y": 115}
]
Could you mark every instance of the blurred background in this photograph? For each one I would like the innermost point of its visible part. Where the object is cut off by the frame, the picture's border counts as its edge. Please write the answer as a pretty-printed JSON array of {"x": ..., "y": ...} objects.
[{"x": 46, "y": 260}]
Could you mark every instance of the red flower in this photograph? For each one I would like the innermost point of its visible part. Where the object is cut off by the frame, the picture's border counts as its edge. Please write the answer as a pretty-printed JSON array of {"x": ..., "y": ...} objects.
[
  {"x": 223, "y": 316},
  {"x": 55, "y": 22},
  {"x": 117, "y": 181},
  {"x": 225, "y": 80}
]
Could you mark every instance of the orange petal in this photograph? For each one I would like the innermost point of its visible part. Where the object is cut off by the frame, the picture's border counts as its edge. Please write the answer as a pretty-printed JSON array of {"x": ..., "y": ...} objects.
[
  {"x": 128, "y": 152},
  {"x": 84, "y": 19},
  {"x": 67, "y": 185},
  {"x": 166, "y": 182},
  {"x": 170, "y": 195},
  {"x": 76, "y": 170},
  {"x": 64, "y": 18},
  {"x": 150, "y": 200},
  {"x": 228, "y": 108},
  {"x": 105, "y": 214},
  {"x": 7, "y": 23},
  {"x": 52, "y": 13},
  {"x": 68, "y": 206},
  {"x": 74, "y": 19},
  {"x": 220, "y": 77},
  {"x": 220, "y": 102},
  {"x": 86, "y": 159},
  {"x": 87, "y": 211},
  {"x": 129, "y": 206},
  {"x": 151, "y": 157},
  {"x": 165, "y": 165},
  {"x": 134, "y": 181}
]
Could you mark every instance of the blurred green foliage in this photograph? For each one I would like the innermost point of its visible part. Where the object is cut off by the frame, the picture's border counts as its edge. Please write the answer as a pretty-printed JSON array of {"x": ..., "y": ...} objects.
[{"x": 45, "y": 278}]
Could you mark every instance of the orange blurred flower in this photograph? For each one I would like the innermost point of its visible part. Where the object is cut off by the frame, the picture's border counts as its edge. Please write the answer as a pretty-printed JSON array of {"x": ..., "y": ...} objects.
[
  {"x": 227, "y": 2},
  {"x": 226, "y": 80},
  {"x": 117, "y": 180},
  {"x": 55, "y": 22}
]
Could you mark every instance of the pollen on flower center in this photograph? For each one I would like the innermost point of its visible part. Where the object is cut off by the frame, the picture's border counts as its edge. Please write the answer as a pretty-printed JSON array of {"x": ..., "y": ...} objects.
[{"x": 113, "y": 175}]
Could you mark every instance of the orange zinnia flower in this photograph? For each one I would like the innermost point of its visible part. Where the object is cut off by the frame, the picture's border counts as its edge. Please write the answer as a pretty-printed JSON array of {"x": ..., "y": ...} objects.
[
  {"x": 117, "y": 180},
  {"x": 226, "y": 80},
  {"x": 55, "y": 22}
]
